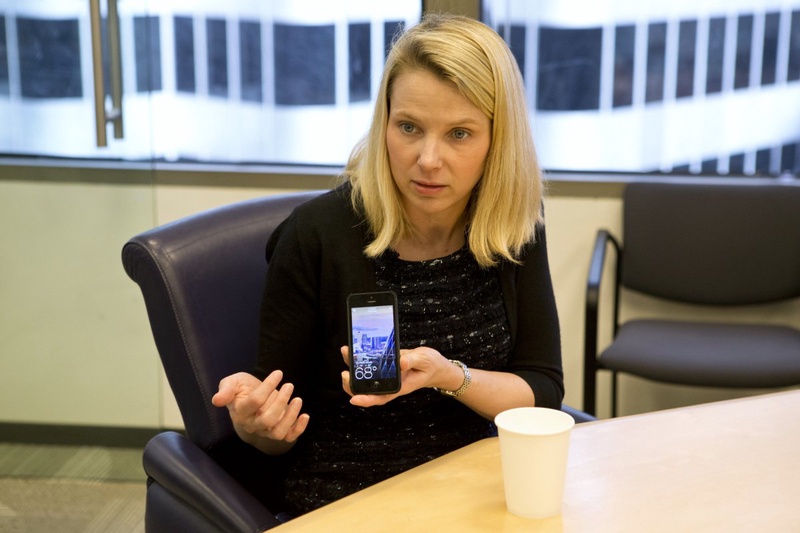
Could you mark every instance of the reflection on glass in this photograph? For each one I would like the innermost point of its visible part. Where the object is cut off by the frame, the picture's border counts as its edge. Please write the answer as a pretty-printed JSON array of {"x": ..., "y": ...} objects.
[
  {"x": 3, "y": 57},
  {"x": 184, "y": 54},
  {"x": 624, "y": 47},
  {"x": 716, "y": 55},
  {"x": 744, "y": 47},
  {"x": 147, "y": 53},
  {"x": 360, "y": 61},
  {"x": 250, "y": 67},
  {"x": 267, "y": 81},
  {"x": 794, "y": 48},
  {"x": 656, "y": 55},
  {"x": 305, "y": 70},
  {"x": 769, "y": 58},
  {"x": 217, "y": 52},
  {"x": 687, "y": 40},
  {"x": 659, "y": 86},
  {"x": 569, "y": 69},
  {"x": 50, "y": 58}
]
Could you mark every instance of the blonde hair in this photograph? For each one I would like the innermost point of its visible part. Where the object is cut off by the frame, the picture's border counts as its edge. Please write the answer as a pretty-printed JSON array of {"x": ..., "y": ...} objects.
[{"x": 506, "y": 203}]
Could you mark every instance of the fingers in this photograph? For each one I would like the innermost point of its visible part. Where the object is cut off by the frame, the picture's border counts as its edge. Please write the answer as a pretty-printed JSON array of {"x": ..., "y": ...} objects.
[
  {"x": 254, "y": 401},
  {"x": 230, "y": 386},
  {"x": 372, "y": 400},
  {"x": 289, "y": 423},
  {"x": 224, "y": 395},
  {"x": 263, "y": 408},
  {"x": 418, "y": 369},
  {"x": 276, "y": 405},
  {"x": 298, "y": 428},
  {"x": 406, "y": 360}
]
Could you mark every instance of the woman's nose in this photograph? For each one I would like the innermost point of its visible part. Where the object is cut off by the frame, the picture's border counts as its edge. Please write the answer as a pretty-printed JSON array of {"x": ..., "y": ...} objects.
[{"x": 430, "y": 156}]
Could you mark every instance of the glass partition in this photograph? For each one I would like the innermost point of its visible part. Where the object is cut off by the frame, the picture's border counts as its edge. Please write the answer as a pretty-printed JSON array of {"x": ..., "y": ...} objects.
[
  {"x": 201, "y": 80},
  {"x": 701, "y": 86}
]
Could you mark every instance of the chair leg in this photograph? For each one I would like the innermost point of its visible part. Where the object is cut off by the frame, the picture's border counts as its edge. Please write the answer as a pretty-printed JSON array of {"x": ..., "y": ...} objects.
[
  {"x": 589, "y": 386},
  {"x": 614, "y": 384}
]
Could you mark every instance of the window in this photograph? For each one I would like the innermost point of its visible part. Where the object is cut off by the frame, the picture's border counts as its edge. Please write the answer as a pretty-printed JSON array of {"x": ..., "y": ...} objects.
[
  {"x": 217, "y": 52},
  {"x": 687, "y": 41},
  {"x": 790, "y": 158},
  {"x": 660, "y": 87},
  {"x": 769, "y": 60},
  {"x": 716, "y": 55},
  {"x": 147, "y": 44},
  {"x": 360, "y": 57},
  {"x": 516, "y": 41},
  {"x": 643, "y": 87},
  {"x": 304, "y": 65},
  {"x": 235, "y": 81},
  {"x": 184, "y": 54},
  {"x": 794, "y": 48},
  {"x": 250, "y": 61},
  {"x": 4, "y": 86},
  {"x": 569, "y": 69},
  {"x": 656, "y": 56},
  {"x": 50, "y": 58},
  {"x": 391, "y": 29},
  {"x": 744, "y": 46},
  {"x": 624, "y": 47},
  {"x": 763, "y": 157}
]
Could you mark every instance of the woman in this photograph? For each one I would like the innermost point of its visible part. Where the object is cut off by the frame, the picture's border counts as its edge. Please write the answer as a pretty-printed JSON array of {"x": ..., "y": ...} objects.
[{"x": 441, "y": 203}]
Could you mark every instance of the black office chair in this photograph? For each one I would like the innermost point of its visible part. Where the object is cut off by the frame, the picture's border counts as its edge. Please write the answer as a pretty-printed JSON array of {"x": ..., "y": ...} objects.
[
  {"x": 202, "y": 280},
  {"x": 709, "y": 245}
]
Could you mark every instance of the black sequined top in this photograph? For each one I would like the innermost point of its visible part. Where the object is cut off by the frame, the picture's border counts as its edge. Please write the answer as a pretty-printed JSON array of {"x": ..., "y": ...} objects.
[
  {"x": 450, "y": 304},
  {"x": 502, "y": 318}
]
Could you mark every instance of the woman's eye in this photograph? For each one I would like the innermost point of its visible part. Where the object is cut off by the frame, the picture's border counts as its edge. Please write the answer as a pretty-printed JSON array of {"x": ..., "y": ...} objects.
[
  {"x": 460, "y": 134},
  {"x": 407, "y": 128}
]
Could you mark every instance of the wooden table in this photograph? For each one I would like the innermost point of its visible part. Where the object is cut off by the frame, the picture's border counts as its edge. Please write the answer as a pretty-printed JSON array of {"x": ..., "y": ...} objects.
[{"x": 722, "y": 467}]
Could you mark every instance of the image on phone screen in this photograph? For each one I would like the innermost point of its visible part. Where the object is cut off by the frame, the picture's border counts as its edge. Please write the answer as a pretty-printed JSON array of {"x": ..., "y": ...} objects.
[{"x": 374, "y": 351}]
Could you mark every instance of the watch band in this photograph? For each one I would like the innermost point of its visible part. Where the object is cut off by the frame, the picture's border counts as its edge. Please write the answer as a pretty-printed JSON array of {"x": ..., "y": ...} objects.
[{"x": 464, "y": 386}]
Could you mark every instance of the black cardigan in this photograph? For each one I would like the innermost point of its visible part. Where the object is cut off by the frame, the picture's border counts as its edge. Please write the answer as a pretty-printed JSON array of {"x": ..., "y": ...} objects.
[{"x": 315, "y": 260}]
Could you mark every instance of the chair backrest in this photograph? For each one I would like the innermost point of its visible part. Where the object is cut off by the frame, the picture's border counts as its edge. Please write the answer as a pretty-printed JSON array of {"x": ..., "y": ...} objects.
[
  {"x": 202, "y": 279},
  {"x": 716, "y": 244}
]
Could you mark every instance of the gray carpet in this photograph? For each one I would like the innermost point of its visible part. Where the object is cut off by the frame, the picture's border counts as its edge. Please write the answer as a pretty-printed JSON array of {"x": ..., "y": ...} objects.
[{"x": 71, "y": 489}]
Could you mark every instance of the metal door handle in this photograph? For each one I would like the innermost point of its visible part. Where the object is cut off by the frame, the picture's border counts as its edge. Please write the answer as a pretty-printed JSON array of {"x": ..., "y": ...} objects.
[{"x": 114, "y": 115}]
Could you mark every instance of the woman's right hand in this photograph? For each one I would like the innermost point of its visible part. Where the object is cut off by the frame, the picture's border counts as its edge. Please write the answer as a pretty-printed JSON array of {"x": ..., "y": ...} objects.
[{"x": 263, "y": 413}]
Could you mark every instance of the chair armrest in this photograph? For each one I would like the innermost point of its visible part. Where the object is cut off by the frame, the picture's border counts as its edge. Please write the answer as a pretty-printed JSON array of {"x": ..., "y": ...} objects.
[
  {"x": 579, "y": 416},
  {"x": 186, "y": 471},
  {"x": 596, "y": 268}
]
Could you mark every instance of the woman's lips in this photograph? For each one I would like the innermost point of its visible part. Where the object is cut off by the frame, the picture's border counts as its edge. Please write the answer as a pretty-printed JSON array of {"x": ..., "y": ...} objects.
[{"x": 427, "y": 188}]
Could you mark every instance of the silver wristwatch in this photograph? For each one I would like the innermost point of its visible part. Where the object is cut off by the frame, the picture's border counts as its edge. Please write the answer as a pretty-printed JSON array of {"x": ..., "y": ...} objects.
[{"x": 464, "y": 386}]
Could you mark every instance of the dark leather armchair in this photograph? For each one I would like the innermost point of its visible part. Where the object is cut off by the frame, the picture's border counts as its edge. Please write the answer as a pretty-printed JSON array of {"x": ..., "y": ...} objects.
[
  {"x": 709, "y": 245},
  {"x": 202, "y": 280}
]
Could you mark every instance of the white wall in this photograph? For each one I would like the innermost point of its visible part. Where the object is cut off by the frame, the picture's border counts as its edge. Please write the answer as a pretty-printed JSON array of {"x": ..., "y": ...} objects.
[
  {"x": 75, "y": 345},
  {"x": 73, "y": 348}
]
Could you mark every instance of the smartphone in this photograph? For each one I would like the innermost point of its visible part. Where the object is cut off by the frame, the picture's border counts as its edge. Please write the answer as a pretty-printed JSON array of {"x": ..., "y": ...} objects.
[{"x": 373, "y": 342}]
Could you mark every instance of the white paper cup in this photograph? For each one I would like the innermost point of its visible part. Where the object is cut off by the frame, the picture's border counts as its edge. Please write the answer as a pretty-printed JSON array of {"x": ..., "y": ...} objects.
[{"x": 534, "y": 444}]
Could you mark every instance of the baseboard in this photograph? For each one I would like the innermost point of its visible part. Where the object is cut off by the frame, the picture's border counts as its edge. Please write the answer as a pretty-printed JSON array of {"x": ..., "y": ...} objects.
[{"x": 119, "y": 437}]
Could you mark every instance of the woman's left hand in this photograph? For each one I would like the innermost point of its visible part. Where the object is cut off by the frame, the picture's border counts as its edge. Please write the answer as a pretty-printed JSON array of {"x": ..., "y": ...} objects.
[{"x": 419, "y": 368}]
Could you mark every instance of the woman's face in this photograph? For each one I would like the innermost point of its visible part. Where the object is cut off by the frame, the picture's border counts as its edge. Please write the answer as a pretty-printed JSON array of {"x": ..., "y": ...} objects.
[{"x": 437, "y": 142}]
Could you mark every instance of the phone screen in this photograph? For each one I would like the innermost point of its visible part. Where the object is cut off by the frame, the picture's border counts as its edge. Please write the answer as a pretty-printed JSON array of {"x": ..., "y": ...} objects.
[{"x": 374, "y": 353}]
